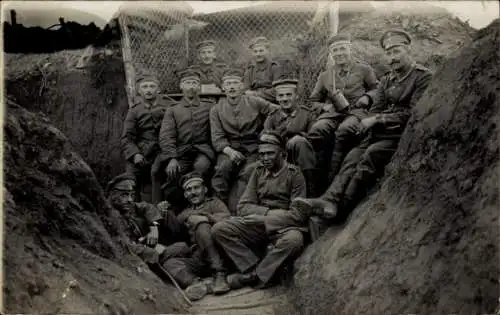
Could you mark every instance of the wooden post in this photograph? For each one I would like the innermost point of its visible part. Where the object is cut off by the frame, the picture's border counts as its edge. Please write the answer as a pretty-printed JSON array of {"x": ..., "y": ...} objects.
[
  {"x": 13, "y": 18},
  {"x": 127, "y": 60}
]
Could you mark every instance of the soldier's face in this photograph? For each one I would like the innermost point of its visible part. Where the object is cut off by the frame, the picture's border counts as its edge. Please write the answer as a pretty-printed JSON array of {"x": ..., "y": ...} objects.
[
  {"x": 195, "y": 192},
  {"x": 207, "y": 55},
  {"x": 269, "y": 155},
  {"x": 190, "y": 88},
  {"x": 398, "y": 57},
  {"x": 123, "y": 200},
  {"x": 148, "y": 89},
  {"x": 260, "y": 53},
  {"x": 340, "y": 53},
  {"x": 232, "y": 87},
  {"x": 286, "y": 97}
]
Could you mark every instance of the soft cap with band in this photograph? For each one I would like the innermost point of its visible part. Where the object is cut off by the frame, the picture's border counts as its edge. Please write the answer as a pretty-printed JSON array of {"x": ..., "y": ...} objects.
[
  {"x": 190, "y": 74},
  {"x": 262, "y": 41},
  {"x": 191, "y": 177},
  {"x": 270, "y": 137},
  {"x": 285, "y": 83},
  {"x": 392, "y": 38},
  {"x": 122, "y": 182},
  {"x": 206, "y": 43},
  {"x": 146, "y": 77},
  {"x": 339, "y": 39},
  {"x": 232, "y": 74}
]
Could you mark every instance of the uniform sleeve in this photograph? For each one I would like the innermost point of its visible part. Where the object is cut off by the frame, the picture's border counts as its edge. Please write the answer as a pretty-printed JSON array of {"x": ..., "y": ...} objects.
[
  {"x": 264, "y": 107},
  {"x": 298, "y": 186},
  {"x": 148, "y": 211},
  {"x": 219, "y": 139},
  {"x": 181, "y": 217},
  {"x": 218, "y": 210},
  {"x": 377, "y": 96},
  {"x": 268, "y": 123},
  {"x": 168, "y": 135},
  {"x": 249, "y": 201},
  {"x": 319, "y": 92},
  {"x": 129, "y": 136},
  {"x": 401, "y": 116},
  {"x": 221, "y": 69}
]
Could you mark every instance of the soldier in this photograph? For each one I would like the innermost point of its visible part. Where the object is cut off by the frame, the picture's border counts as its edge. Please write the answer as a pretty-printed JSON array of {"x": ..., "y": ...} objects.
[
  {"x": 211, "y": 70},
  {"x": 199, "y": 217},
  {"x": 267, "y": 197},
  {"x": 261, "y": 71},
  {"x": 185, "y": 135},
  {"x": 292, "y": 121},
  {"x": 152, "y": 236},
  {"x": 139, "y": 139},
  {"x": 396, "y": 95},
  {"x": 347, "y": 103},
  {"x": 235, "y": 123}
]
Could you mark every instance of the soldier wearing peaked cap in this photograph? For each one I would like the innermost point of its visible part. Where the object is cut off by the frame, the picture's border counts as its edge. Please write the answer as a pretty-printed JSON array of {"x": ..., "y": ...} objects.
[
  {"x": 342, "y": 87},
  {"x": 210, "y": 68},
  {"x": 268, "y": 194},
  {"x": 292, "y": 121},
  {"x": 155, "y": 238},
  {"x": 391, "y": 104},
  {"x": 139, "y": 141},
  {"x": 261, "y": 71},
  {"x": 199, "y": 216},
  {"x": 184, "y": 138},
  {"x": 235, "y": 123}
]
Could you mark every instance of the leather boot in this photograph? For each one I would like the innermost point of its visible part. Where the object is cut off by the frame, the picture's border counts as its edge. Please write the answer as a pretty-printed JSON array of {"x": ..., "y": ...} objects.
[
  {"x": 311, "y": 177},
  {"x": 220, "y": 284},
  {"x": 240, "y": 280},
  {"x": 326, "y": 209}
]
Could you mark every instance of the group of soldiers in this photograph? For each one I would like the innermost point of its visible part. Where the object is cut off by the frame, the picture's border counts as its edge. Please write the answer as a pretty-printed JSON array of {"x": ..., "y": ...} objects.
[{"x": 257, "y": 145}]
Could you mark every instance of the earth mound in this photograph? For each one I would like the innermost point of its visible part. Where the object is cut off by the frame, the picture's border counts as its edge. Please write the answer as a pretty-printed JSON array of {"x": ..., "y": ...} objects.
[
  {"x": 426, "y": 242},
  {"x": 64, "y": 247},
  {"x": 87, "y": 105}
]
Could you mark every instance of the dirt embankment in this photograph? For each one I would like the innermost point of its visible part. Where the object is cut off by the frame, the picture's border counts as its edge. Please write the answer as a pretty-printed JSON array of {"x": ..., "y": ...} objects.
[
  {"x": 63, "y": 244},
  {"x": 87, "y": 105},
  {"x": 427, "y": 241}
]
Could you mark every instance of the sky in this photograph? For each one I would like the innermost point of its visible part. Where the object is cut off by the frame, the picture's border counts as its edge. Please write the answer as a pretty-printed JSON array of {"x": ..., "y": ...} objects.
[{"x": 478, "y": 13}]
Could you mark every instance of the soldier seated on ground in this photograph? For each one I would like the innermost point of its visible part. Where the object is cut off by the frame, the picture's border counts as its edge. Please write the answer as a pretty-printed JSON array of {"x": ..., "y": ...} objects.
[
  {"x": 199, "y": 217},
  {"x": 235, "y": 123},
  {"x": 262, "y": 71},
  {"x": 259, "y": 229},
  {"x": 185, "y": 139},
  {"x": 152, "y": 236},
  {"x": 395, "y": 97},
  {"x": 292, "y": 122},
  {"x": 210, "y": 68},
  {"x": 139, "y": 141}
]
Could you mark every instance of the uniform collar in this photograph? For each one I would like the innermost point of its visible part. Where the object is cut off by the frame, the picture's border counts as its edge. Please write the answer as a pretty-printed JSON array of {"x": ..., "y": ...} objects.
[
  {"x": 268, "y": 173},
  {"x": 261, "y": 65},
  {"x": 286, "y": 115},
  {"x": 187, "y": 103},
  {"x": 238, "y": 99},
  {"x": 148, "y": 105},
  {"x": 393, "y": 76}
]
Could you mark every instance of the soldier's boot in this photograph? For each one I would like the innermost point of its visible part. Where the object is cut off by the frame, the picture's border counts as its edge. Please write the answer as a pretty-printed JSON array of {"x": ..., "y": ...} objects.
[
  {"x": 335, "y": 163},
  {"x": 240, "y": 280},
  {"x": 220, "y": 285},
  {"x": 326, "y": 209},
  {"x": 197, "y": 290}
]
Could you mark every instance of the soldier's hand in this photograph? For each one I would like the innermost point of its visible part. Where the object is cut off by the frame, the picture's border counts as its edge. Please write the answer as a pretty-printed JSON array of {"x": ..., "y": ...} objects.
[
  {"x": 173, "y": 168},
  {"x": 152, "y": 237},
  {"x": 367, "y": 123},
  {"x": 327, "y": 107},
  {"x": 363, "y": 102},
  {"x": 234, "y": 155},
  {"x": 139, "y": 159}
]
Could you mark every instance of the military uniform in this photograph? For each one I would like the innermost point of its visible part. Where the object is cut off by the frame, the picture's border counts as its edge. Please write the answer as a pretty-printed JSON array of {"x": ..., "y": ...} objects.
[
  {"x": 237, "y": 126},
  {"x": 137, "y": 225},
  {"x": 259, "y": 76},
  {"x": 245, "y": 239},
  {"x": 185, "y": 136},
  {"x": 211, "y": 74},
  {"x": 393, "y": 101},
  {"x": 206, "y": 259},
  {"x": 333, "y": 127},
  {"x": 140, "y": 135}
]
